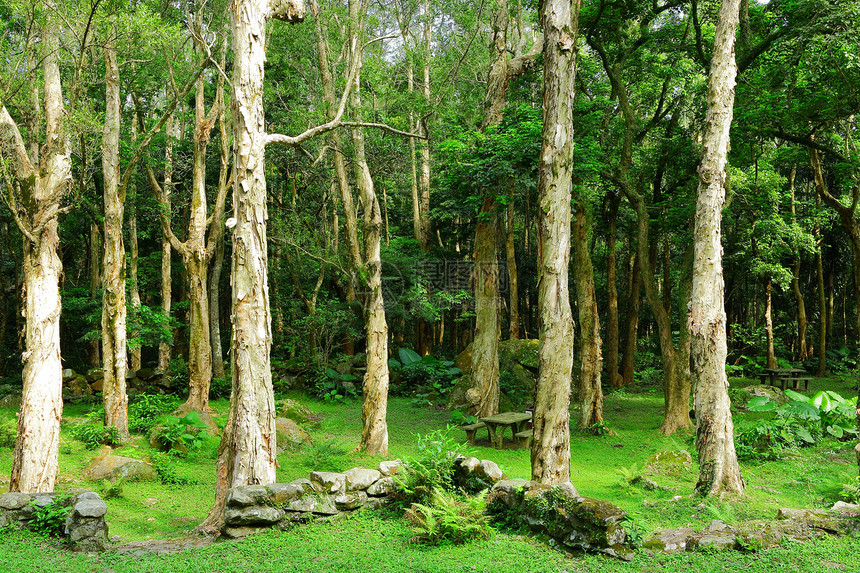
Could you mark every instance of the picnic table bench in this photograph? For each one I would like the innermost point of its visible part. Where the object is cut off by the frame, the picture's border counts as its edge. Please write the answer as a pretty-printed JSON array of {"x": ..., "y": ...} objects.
[
  {"x": 496, "y": 425},
  {"x": 472, "y": 429},
  {"x": 785, "y": 377}
]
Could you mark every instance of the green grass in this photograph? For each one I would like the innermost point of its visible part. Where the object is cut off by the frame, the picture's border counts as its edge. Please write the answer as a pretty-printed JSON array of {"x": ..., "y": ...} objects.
[{"x": 150, "y": 510}]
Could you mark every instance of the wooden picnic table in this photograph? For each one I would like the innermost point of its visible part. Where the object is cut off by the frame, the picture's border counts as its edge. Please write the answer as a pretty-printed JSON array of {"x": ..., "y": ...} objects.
[
  {"x": 496, "y": 425},
  {"x": 781, "y": 376}
]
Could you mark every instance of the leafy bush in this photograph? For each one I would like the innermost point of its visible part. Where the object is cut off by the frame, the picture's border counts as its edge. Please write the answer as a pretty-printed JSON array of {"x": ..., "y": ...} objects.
[
  {"x": 183, "y": 432},
  {"x": 8, "y": 433},
  {"x": 449, "y": 518},
  {"x": 432, "y": 468},
  {"x": 800, "y": 422},
  {"x": 50, "y": 519},
  {"x": 426, "y": 378},
  {"x": 332, "y": 386},
  {"x": 145, "y": 410},
  {"x": 220, "y": 388},
  {"x": 94, "y": 434}
]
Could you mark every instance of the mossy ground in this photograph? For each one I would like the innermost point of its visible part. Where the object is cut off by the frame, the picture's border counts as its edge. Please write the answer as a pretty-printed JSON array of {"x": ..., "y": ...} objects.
[{"x": 150, "y": 510}]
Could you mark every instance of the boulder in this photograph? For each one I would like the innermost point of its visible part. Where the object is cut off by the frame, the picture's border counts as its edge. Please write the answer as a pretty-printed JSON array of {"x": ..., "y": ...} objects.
[
  {"x": 672, "y": 462},
  {"x": 281, "y": 493},
  {"x": 350, "y": 501},
  {"x": 206, "y": 417},
  {"x": 389, "y": 468},
  {"x": 78, "y": 387},
  {"x": 253, "y": 515},
  {"x": 90, "y": 508},
  {"x": 14, "y": 500},
  {"x": 112, "y": 467},
  {"x": 848, "y": 509},
  {"x": 328, "y": 482},
  {"x": 296, "y": 411},
  {"x": 671, "y": 540},
  {"x": 359, "y": 479},
  {"x": 760, "y": 390},
  {"x": 290, "y": 434},
  {"x": 94, "y": 374},
  {"x": 801, "y": 514},
  {"x": 382, "y": 487},
  {"x": 490, "y": 470},
  {"x": 97, "y": 385},
  {"x": 247, "y": 495},
  {"x": 11, "y": 401},
  {"x": 146, "y": 373},
  {"x": 68, "y": 374}
]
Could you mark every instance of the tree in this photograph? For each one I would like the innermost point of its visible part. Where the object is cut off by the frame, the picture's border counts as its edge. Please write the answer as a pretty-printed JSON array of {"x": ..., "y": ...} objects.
[
  {"x": 550, "y": 453},
  {"x": 34, "y": 193},
  {"x": 718, "y": 464}
]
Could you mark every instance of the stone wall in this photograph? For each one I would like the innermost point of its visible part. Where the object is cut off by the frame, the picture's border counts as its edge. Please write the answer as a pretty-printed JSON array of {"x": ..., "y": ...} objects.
[
  {"x": 85, "y": 527},
  {"x": 254, "y": 508}
]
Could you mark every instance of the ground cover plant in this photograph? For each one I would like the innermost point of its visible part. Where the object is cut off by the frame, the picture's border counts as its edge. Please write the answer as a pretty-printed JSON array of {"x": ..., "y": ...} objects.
[{"x": 605, "y": 467}]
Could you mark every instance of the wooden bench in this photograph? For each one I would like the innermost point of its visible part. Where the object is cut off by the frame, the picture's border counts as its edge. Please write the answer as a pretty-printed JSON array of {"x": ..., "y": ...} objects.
[
  {"x": 524, "y": 438},
  {"x": 795, "y": 383},
  {"x": 472, "y": 429}
]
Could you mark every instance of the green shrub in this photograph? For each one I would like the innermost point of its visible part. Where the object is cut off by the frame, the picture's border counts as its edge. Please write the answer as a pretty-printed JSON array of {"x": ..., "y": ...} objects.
[
  {"x": 432, "y": 468},
  {"x": 180, "y": 434},
  {"x": 8, "y": 432},
  {"x": 50, "y": 519},
  {"x": 220, "y": 388},
  {"x": 426, "y": 378},
  {"x": 145, "y": 410},
  {"x": 449, "y": 518},
  {"x": 94, "y": 434}
]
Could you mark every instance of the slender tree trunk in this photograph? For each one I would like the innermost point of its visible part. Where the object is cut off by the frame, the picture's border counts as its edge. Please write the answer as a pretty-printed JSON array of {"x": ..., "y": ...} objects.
[
  {"x": 485, "y": 349},
  {"x": 802, "y": 353},
  {"x": 40, "y": 187},
  {"x": 95, "y": 285},
  {"x": 768, "y": 323},
  {"x": 590, "y": 389},
  {"x": 425, "y": 143},
  {"x": 632, "y": 332},
  {"x": 612, "y": 299},
  {"x": 113, "y": 283},
  {"x": 215, "y": 310},
  {"x": 513, "y": 278},
  {"x": 550, "y": 452},
  {"x": 135, "y": 354},
  {"x": 248, "y": 450},
  {"x": 822, "y": 308},
  {"x": 166, "y": 251},
  {"x": 718, "y": 464}
]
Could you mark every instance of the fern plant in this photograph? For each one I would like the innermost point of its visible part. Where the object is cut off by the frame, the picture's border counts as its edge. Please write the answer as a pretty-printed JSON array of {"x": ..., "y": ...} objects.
[{"x": 449, "y": 518}]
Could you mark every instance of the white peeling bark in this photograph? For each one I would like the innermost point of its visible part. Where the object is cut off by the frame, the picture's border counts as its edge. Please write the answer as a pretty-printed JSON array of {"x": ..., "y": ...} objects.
[
  {"x": 550, "y": 454},
  {"x": 114, "y": 349},
  {"x": 719, "y": 470}
]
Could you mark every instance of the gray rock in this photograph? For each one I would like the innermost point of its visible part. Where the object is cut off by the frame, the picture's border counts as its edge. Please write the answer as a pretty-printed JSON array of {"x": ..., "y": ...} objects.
[
  {"x": 389, "y": 468},
  {"x": 376, "y": 502},
  {"x": 90, "y": 508},
  {"x": 670, "y": 462},
  {"x": 88, "y": 495},
  {"x": 14, "y": 500},
  {"x": 303, "y": 504},
  {"x": 253, "y": 515},
  {"x": 246, "y": 495},
  {"x": 845, "y": 508},
  {"x": 490, "y": 470},
  {"x": 507, "y": 491},
  {"x": 359, "y": 479},
  {"x": 43, "y": 500},
  {"x": 325, "y": 505},
  {"x": 470, "y": 465},
  {"x": 717, "y": 540},
  {"x": 328, "y": 482},
  {"x": 349, "y": 501},
  {"x": 384, "y": 486},
  {"x": 68, "y": 374},
  {"x": 111, "y": 467},
  {"x": 240, "y": 532},
  {"x": 802, "y": 514},
  {"x": 671, "y": 540},
  {"x": 280, "y": 493}
]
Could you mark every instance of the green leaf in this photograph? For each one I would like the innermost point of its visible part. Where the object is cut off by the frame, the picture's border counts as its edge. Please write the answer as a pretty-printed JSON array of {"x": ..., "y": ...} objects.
[
  {"x": 804, "y": 435},
  {"x": 797, "y": 396},
  {"x": 835, "y": 431},
  {"x": 408, "y": 356},
  {"x": 761, "y": 404},
  {"x": 332, "y": 373}
]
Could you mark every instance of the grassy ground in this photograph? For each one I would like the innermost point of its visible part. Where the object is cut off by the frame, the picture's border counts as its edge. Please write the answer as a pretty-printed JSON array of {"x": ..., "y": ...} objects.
[{"x": 150, "y": 510}]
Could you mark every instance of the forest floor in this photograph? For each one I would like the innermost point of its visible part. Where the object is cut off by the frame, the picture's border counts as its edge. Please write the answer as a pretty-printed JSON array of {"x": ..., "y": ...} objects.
[{"x": 602, "y": 468}]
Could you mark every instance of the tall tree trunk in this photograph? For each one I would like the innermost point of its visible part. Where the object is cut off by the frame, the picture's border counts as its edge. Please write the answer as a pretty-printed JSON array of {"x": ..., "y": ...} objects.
[
  {"x": 248, "y": 450},
  {"x": 802, "y": 352},
  {"x": 612, "y": 298},
  {"x": 39, "y": 190},
  {"x": 95, "y": 285},
  {"x": 550, "y": 452},
  {"x": 215, "y": 310},
  {"x": 374, "y": 435},
  {"x": 513, "y": 277},
  {"x": 425, "y": 143},
  {"x": 485, "y": 349},
  {"x": 768, "y": 323},
  {"x": 632, "y": 320},
  {"x": 166, "y": 251},
  {"x": 590, "y": 389},
  {"x": 823, "y": 307},
  {"x": 113, "y": 282},
  {"x": 718, "y": 464},
  {"x": 134, "y": 291}
]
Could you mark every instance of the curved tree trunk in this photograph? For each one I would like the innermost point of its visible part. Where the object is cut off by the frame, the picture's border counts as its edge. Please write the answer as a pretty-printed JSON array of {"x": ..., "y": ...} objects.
[
  {"x": 590, "y": 389},
  {"x": 802, "y": 352},
  {"x": 718, "y": 464},
  {"x": 632, "y": 320},
  {"x": 513, "y": 277},
  {"x": 215, "y": 310},
  {"x": 768, "y": 323},
  {"x": 95, "y": 285},
  {"x": 199, "y": 347},
  {"x": 550, "y": 452},
  {"x": 114, "y": 348},
  {"x": 165, "y": 348},
  {"x": 823, "y": 307}
]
